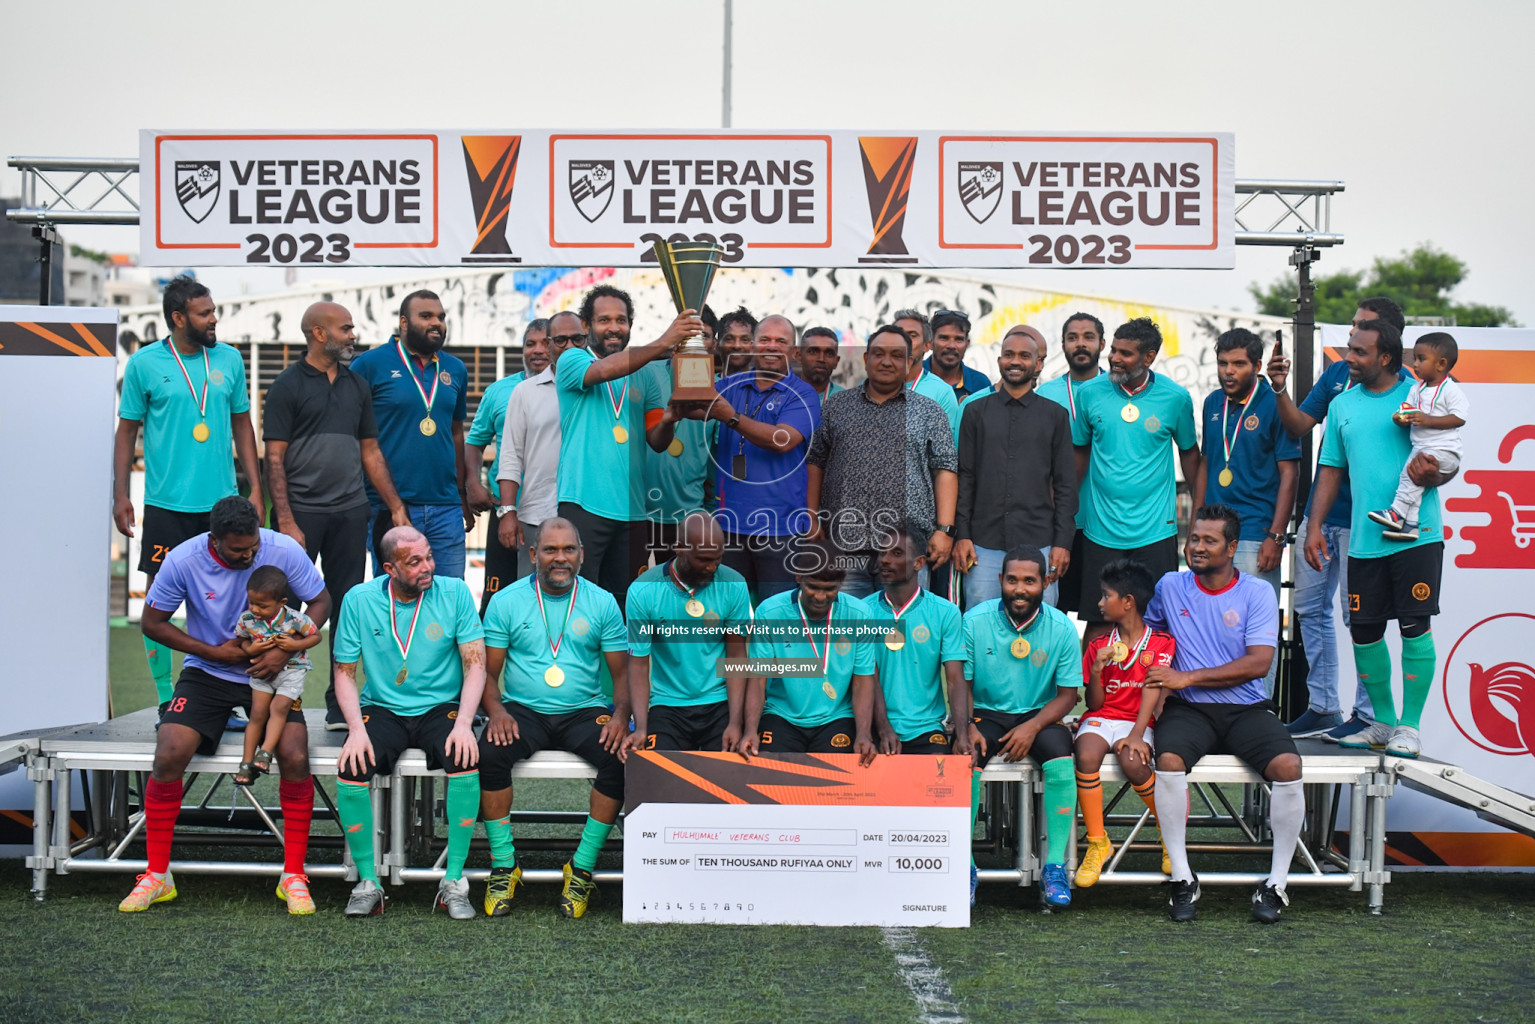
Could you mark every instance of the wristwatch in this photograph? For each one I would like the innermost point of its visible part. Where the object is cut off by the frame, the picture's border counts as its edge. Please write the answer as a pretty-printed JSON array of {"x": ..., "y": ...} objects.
[
  {"x": 1277, "y": 538},
  {"x": 731, "y": 423},
  {"x": 949, "y": 530},
  {"x": 505, "y": 510}
]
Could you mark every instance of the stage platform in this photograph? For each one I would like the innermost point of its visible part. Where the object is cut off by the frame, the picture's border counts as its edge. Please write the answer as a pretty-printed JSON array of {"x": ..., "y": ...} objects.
[{"x": 116, "y": 755}]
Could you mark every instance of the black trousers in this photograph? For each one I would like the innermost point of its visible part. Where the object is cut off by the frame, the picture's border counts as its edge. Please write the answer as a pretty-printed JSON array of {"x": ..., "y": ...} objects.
[
  {"x": 338, "y": 541},
  {"x": 501, "y": 563},
  {"x": 616, "y": 551}
]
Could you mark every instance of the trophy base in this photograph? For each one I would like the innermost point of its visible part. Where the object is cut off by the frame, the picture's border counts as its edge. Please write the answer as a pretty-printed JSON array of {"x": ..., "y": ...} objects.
[{"x": 693, "y": 377}]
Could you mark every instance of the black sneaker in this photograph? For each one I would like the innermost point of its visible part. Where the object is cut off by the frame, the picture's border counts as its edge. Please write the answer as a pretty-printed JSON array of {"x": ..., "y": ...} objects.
[
  {"x": 1181, "y": 900},
  {"x": 1268, "y": 903},
  {"x": 335, "y": 721}
]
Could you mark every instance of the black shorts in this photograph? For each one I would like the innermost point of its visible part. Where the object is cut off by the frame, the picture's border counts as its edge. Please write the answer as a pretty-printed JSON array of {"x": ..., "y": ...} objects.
[
  {"x": 392, "y": 734},
  {"x": 1403, "y": 585},
  {"x": 578, "y": 732},
  {"x": 1251, "y": 732},
  {"x": 780, "y": 736},
  {"x": 203, "y": 701},
  {"x": 1068, "y": 595},
  {"x": 1159, "y": 558},
  {"x": 1053, "y": 741},
  {"x": 162, "y": 530},
  {"x": 935, "y": 742},
  {"x": 701, "y": 727}
]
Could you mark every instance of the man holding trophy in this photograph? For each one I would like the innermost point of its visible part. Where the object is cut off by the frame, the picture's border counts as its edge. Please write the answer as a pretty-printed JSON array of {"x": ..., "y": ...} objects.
[{"x": 604, "y": 402}]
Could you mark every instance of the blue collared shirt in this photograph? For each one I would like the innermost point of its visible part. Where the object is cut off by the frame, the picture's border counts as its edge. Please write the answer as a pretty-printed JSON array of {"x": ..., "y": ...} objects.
[
  {"x": 770, "y": 500},
  {"x": 974, "y": 382}
]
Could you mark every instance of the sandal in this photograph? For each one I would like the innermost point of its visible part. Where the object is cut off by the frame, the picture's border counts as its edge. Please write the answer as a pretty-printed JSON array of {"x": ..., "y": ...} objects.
[
  {"x": 249, "y": 772},
  {"x": 262, "y": 761}
]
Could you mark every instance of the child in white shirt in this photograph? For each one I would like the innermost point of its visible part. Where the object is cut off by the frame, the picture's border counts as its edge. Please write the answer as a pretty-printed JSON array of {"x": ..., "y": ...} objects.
[{"x": 1435, "y": 410}]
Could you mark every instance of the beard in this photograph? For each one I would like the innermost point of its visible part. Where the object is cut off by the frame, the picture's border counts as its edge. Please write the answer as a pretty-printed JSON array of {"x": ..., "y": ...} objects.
[
  {"x": 206, "y": 339},
  {"x": 423, "y": 342}
]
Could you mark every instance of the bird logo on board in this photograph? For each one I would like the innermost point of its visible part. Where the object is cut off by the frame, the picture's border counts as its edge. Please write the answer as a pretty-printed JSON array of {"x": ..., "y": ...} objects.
[
  {"x": 591, "y": 187},
  {"x": 1492, "y": 700},
  {"x": 197, "y": 187},
  {"x": 980, "y": 188}
]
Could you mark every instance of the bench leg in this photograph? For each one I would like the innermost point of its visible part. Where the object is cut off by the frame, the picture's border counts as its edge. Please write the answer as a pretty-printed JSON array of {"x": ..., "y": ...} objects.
[{"x": 42, "y": 805}]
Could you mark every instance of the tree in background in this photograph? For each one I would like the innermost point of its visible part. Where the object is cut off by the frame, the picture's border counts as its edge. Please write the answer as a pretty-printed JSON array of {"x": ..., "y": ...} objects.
[{"x": 1419, "y": 281}]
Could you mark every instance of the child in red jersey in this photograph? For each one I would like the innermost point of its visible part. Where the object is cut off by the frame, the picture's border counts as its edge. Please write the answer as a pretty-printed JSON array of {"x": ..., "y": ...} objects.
[{"x": 1120, "y": 708}]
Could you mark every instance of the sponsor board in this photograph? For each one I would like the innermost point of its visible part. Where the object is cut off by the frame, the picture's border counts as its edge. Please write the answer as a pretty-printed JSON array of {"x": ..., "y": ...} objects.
[{"x": 769, "y": 199}]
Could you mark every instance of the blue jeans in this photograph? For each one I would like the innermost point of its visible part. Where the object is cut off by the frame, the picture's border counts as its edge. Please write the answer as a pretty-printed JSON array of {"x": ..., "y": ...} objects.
[
  {"x": 443, "y": 527},
  {"x": 1246, "y": 561},
  {"x": 1313, "y": 603},
  {"x": 984, "y": 581}
]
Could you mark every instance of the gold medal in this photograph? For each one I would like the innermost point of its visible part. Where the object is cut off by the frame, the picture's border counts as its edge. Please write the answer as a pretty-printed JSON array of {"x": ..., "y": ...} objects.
[
  {"x": 1118, "y": 651},
  {"x": 695, "y": 607},
  {"x": 399, "y": 677},
  {"x": 675, "y": 448},
  {"x": 894, "y": 640},
  {"x": 828, "y": 689},
  {"x": 1020, "y": 648},
  {"x": 1130, "y": 413},
  {"x": 428, "y": 426},
  {"x": 620, "y": 435},
  {"x": 554, "y": 675},
  {"x": 200, "y": 433},
  {"x": 1225, "y": 478}
]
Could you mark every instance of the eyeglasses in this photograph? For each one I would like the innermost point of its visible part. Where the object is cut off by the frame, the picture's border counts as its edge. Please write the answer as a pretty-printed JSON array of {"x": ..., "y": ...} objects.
[
  {"x": 564, "y": 340},
  {"x": 950, "y": 312}
]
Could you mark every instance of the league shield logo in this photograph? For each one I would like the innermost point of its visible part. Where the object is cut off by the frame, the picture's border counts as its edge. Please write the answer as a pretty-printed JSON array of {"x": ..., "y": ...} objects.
[
  {"x": 197, "y": 187},
  {"x": 980, "y": 188},
  {"x": 591, "y": 187}
]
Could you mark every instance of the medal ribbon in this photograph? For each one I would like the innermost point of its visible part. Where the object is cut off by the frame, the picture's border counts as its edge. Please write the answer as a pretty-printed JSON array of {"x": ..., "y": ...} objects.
[
  {"x": 902, "y": 610},
  {"x": 913, "y": 385},
  {"x": 1029, "y": 622},
  {"x": 409, "y": 636},
  {"x": 1132, "y": 394},
  {"x": 1114, "y": 639},
  {"x": 554, "y": 643},
  {"x": 618, "y": 403},
  {"x": 1228, "y": 445},
  {"x": 671, "y": 567},
  {"x": 1431, "y": 401},
  {"x": 202, "y": 401},
  {"x": 1071, "y": 399},
  {"x": 416, "y": 380},
  {"x": 824, "y": 655}
]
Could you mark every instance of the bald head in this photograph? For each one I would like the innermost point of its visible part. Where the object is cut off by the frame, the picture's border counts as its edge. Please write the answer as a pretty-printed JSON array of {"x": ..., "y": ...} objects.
[
  {"x": 557, "y": 558},
  {"x": 329, "y": 332},
  {"x": 389, "y": 544},
  {"x": 407, "y": 558},
  {"x": 700, "y": 546},
  {"x": 1041, "y": 346},
  {"x": 771, "y": 344}
]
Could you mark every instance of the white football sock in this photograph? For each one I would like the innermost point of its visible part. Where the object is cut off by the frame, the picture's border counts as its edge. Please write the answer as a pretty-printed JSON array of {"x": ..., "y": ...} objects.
[
  {"x": 1172, "y": 791},
  {"x": 1287, "y": 810}
]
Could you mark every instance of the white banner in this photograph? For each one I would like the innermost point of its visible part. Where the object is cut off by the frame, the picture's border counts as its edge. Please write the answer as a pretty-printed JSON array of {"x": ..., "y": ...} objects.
[
  {"x": 1481, "y": 713},
  {"x": 771, "y": 199}
]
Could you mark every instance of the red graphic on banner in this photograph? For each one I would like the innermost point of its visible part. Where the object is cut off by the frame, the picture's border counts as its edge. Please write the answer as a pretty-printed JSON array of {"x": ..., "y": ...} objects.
[
  {"x": 1491, "y": 701},
  {"x": 1507, "y": 498}
]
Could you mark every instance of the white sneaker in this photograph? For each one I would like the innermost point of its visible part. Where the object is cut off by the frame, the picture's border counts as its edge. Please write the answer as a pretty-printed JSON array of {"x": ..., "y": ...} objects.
[
  {"x": 453, "y": 896},
  {"x": 1404, "y": 742},
  {"x": 1376, "y": 736}
]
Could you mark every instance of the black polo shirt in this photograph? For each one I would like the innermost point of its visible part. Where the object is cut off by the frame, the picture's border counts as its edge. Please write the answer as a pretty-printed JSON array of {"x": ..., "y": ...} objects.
[
  {"x": 323, "y": 423},
  {"x": 1017, "y": 473}
]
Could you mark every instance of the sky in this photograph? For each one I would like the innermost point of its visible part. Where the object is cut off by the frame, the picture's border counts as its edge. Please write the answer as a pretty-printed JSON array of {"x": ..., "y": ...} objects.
[{"x": 1425, "y": 110}]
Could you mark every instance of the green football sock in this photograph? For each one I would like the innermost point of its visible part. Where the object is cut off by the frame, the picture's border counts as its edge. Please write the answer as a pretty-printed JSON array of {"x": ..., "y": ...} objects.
[
  {"x": 975, "y": 805},
  {"x": 502, "y": 853},
  {"x": 1372, "y": 663},
  {"x": 160, "y": 667},
  {"x": 355, "y": 808},
  {"x": 1418, "y": 661},
  {"x": 463, "y": 810},
  {"x": 1060, "y": 807},
  {"x": 593, "y": 834}
]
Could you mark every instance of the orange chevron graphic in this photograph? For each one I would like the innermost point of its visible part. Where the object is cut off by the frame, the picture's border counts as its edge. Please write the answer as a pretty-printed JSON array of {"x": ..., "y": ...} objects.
[
  {"x": 491, "y": 162},
  {"x": 887, "y": 166}
]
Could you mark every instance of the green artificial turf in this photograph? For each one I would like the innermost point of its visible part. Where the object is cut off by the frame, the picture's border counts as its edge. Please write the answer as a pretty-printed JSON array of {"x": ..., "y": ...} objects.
[{"x": 1449, "y": 948}]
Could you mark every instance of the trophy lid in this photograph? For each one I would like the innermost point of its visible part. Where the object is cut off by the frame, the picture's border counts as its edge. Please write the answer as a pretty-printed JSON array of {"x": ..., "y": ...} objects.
[{"x": 689, "y": 270}]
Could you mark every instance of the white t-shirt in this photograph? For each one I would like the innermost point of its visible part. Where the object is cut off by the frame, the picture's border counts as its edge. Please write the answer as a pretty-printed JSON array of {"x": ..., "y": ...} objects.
[{"x": 1443, "y": 399}]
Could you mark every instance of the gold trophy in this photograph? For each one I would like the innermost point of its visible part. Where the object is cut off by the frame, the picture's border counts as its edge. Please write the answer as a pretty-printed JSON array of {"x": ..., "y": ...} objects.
[{"x": 689, "y": 270}]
